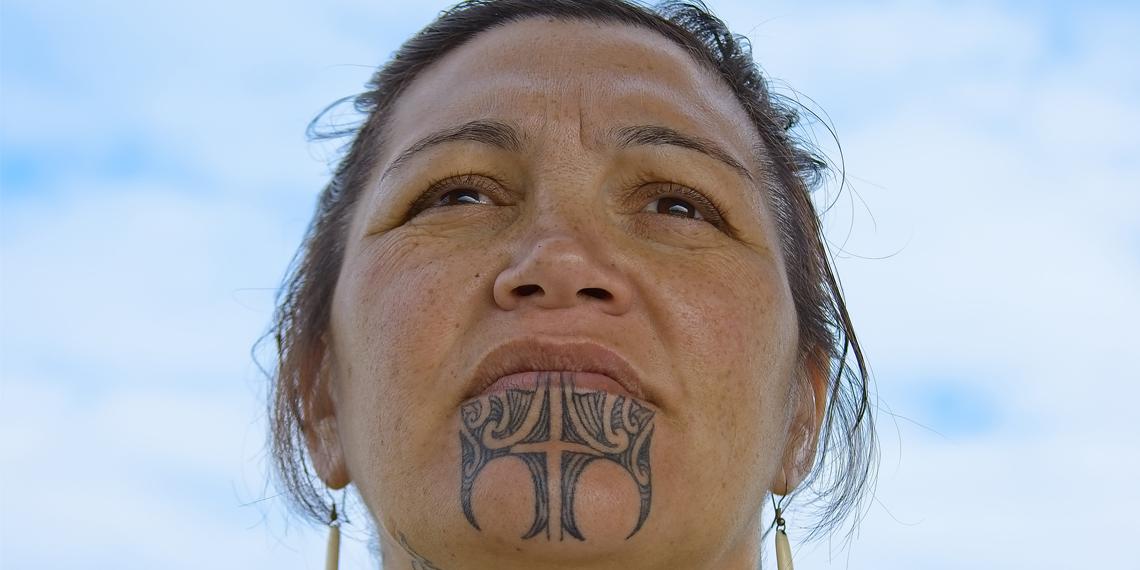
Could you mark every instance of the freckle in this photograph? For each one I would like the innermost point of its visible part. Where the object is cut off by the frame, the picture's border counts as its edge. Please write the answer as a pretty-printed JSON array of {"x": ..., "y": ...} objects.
[{"x": 477, "y": 275}]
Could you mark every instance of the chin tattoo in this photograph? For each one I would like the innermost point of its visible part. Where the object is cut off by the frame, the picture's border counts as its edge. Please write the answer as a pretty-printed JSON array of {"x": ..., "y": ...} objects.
[
  {"x": 418, "y": 561},
  {"x": 557, "y": 430}
]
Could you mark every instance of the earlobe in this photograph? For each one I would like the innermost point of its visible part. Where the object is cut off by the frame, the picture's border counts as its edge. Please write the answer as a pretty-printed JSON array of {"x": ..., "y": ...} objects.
[
  {"x": 810, "y": 400},
  {"x": 319, "y": 424}
]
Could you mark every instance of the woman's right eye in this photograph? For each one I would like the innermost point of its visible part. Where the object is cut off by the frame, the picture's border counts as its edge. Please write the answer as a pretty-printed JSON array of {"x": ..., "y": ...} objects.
[
  {"x": 465, "y": 190},
  {"x": 460, "y": 196}
]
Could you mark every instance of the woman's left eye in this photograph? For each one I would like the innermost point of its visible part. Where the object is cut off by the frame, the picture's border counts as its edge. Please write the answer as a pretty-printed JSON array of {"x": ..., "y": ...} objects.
[
  {"x": 680, "y": 201},
  {"x": 676, "y": 207}
]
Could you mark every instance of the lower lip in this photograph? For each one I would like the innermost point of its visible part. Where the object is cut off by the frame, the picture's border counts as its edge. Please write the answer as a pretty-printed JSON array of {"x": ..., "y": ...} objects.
[{"x": 582, "y": 380}]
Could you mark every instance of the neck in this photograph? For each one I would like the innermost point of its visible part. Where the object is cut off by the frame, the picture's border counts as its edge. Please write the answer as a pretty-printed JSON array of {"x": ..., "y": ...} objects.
[{"x": 741, "y": 553}]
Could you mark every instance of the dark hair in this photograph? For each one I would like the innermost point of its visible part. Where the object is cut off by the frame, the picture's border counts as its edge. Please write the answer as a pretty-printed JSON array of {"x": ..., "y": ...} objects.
[{"x": 846, "y": 458}]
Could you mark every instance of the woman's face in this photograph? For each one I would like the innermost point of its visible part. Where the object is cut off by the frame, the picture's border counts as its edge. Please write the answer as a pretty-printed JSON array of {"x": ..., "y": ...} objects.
[{"x": 581, "y": 202}]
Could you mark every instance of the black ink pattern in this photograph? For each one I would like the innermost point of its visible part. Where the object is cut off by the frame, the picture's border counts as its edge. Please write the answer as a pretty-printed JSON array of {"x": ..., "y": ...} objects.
[
  {"x": 585, "y": 426},
  {"x": 418, "y": 562}
]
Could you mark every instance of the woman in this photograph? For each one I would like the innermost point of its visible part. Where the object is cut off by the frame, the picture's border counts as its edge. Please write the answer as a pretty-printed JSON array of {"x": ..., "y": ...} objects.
[{"x": 565, "y": 303}]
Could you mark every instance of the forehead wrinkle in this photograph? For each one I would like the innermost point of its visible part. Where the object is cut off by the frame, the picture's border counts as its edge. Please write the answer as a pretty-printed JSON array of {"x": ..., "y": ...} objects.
[
  {"x": 548, "y": 56},
  {"x": 582, "y": 120},
  {"x": 538, "y": 87}
]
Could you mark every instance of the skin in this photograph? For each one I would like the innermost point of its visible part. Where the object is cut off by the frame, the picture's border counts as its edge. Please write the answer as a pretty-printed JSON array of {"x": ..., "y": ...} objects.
[{"x": 703, "y": 313}]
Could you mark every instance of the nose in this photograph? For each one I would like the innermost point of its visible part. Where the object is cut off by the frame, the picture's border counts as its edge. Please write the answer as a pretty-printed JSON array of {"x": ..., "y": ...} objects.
[{"x": 560, "y": 271}]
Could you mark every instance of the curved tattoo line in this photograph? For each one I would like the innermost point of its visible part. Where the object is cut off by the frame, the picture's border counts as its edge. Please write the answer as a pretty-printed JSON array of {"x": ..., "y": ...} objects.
[
  {"x": 556, "y": 434},
  {"x": 418, "y": 561},
  {"x": 537, "y": 467},
  {"x": 573, "y": 464}
]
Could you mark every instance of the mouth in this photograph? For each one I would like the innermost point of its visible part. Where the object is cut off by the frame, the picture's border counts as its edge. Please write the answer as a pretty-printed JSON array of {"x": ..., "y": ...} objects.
[
  {"x": 530, "y": 381},
  {"x": 520, "y": 364}
]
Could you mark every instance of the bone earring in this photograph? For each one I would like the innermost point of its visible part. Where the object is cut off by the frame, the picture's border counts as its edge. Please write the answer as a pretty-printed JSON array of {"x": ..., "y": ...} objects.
[
  {"x": 783, "y": 549},
  {"x": 332, "y": 555}
]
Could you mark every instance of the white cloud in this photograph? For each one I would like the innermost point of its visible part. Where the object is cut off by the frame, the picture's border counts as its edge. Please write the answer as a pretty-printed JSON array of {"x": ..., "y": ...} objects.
[
  {"x": 134, "y": 277},
  {"x": 143, "y": 477},
  {"x": 993, "y": 503}
]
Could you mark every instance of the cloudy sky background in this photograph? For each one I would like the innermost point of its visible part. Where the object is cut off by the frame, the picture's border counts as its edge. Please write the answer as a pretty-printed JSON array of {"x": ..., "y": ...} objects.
[{"x": 156, "y": 181}]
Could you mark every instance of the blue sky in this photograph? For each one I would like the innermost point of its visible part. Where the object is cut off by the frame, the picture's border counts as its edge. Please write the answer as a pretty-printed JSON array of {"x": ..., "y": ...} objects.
[{"x": 155, "y": 181}]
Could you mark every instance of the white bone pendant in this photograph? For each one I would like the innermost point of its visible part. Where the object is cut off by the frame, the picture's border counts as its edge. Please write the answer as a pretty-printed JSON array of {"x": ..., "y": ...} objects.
[
  {"x": 783, "y": 551},
  {"x": 332, "y": 556}
]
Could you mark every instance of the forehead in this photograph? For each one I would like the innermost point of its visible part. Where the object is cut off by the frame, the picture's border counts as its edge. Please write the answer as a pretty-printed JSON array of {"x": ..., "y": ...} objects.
[{"x": 572, "y": 78}]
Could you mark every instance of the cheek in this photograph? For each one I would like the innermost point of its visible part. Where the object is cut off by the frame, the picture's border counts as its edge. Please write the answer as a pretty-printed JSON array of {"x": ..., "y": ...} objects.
[
  {"x": 397, "y": 309},
  {"x": 733, "y": 319},
  {"x": 731, "y": 324},
  {"x": 400, "y": 298}
]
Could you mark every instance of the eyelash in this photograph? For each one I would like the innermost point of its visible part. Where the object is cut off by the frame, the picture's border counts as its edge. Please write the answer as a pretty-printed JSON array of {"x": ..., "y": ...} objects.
[
  {"x": 442, "y": 186},
  {"x": 705, "y": 206}
]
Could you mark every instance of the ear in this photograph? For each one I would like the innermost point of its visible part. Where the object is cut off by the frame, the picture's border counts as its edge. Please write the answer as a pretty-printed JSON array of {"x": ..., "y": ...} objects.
[
  {"x": 809, "y": 398},
  {"x": 319, "y": 424}
]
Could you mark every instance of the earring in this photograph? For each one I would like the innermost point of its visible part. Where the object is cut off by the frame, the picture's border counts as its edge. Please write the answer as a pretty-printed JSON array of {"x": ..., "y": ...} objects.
[
  {"x": 332, "y": 555},
  {"x": 783, "y": 549}
]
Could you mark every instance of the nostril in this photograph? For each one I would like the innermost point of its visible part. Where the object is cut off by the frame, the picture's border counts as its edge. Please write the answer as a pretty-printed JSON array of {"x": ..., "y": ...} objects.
[
  {"x": 527, "y": 290},
  {"x": 596, "y": 293}
]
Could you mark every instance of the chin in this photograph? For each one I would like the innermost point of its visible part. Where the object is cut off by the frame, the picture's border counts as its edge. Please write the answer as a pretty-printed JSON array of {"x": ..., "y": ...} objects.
[
  {"x": 598, "y": 516},
  {"x": 557, "y": 470}
]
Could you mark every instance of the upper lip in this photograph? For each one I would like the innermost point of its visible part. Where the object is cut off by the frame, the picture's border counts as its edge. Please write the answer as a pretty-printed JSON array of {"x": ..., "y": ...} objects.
[{"x": 532, "y": 355}]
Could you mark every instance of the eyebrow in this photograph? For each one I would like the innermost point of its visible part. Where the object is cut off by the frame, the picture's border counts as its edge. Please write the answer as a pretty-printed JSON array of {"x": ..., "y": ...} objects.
[
  {"x": 506, "y": 137},
  {"x": 493, "y": 133},
  {"x": 657, "y": 135}
]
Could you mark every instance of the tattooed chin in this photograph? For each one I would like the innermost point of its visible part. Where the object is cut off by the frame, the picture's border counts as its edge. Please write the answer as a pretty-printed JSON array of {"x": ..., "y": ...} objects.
[{"x": 556, "y": 458}]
